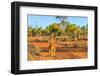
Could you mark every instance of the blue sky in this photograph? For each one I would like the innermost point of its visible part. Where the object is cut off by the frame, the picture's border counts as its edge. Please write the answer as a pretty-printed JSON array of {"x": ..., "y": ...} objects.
[{"x": 43, "y": 21}]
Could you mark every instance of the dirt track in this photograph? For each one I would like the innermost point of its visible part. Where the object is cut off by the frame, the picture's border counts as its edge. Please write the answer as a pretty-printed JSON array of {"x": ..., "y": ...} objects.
[
  {"x": 59, "y": 56},
  {"x": 62, "y": 52}
]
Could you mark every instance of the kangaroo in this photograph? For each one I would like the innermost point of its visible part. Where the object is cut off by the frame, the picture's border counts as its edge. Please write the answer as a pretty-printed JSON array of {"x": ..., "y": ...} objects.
[{"x": 52, "y": 46}]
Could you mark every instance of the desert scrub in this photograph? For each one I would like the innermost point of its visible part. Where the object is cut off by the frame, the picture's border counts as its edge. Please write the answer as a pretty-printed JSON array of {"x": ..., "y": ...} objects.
[{"x": 34, "y": 50}]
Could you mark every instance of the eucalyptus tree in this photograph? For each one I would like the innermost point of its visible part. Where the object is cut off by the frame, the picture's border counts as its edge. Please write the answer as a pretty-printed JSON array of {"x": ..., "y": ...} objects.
[
  {"x": 73, "y": 31},
  {"x": 54, "y": 28},
  {"x": 63, "y": 21}
]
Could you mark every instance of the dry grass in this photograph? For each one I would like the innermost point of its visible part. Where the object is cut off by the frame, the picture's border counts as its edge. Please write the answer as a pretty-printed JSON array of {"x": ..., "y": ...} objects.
[
  {"x": 59, "y": 56},
  {"x": 64, "y": 50}
]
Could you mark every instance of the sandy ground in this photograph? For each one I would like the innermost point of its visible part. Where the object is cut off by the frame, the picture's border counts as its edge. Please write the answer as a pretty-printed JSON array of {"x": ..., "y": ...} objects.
[
  {"x": 62, "y": 52},
  {"x": 59, "y": 56}
]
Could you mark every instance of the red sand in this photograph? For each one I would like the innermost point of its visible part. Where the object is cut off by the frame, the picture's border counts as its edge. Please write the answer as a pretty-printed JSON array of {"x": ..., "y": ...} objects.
[{"x": 59, "y": 55}]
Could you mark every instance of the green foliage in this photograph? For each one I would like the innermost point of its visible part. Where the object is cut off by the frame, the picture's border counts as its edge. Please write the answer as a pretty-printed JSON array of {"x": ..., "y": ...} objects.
[
  {"x": 63, "y": 21},
  {"x": 84, "y": 30},
  {"x": 30, "y": 29},
  {"x": 54, "y": 28},
  {"x": 62, "y": 18},
  {"x": 75, "y": 31},
  {"x": 72, "y": 31}
]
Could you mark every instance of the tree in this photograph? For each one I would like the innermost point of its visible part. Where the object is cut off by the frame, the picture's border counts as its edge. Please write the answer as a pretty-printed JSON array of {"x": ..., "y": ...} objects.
[
  {"x": 84, "y": 31},
  {"x": 62, "y": 18},
  {"x": 38, "y": 31},
  {"x": 45, "y": 31},
  {"x": 30, "y": 29},
  {"x": 54, "y": 28},
  {"x": 73, "y": 31},
  {"x": 63, "y": 21}
]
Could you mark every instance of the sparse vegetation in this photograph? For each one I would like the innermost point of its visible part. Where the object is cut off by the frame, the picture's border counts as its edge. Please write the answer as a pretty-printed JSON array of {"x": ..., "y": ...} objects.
[{"x": 67, "y": 35}]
